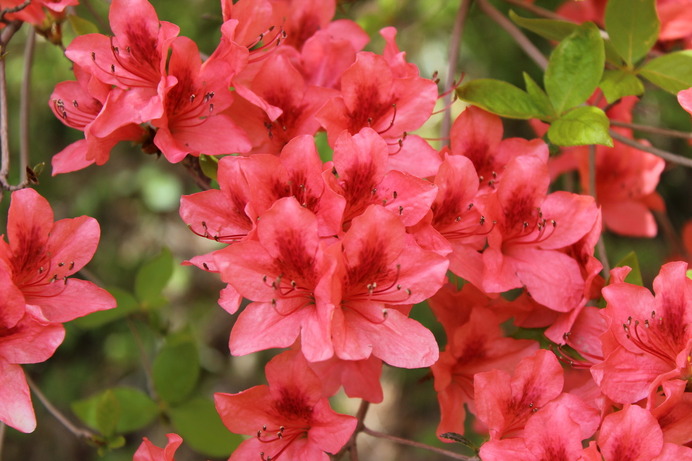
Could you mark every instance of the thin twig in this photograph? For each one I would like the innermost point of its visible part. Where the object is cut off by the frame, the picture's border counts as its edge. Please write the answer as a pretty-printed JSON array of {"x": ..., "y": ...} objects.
[
  {"x": 350, "y": 446},
  {"x": 2, "y": 437},
  {"x": 453, "y": 57},
  {"x": 518, "y": 36},
  {"x": 24, "y": 108},
  {"x": 669, "y": 156},
  {"x": 192, "y": 165},
  {"x": 103, "y": 25},
  {"x": 62, "y": 419},
  {"x": 537, "y": 10},
  {"x": 653, "y": 129},
  {"x": 422, "y": 446}
]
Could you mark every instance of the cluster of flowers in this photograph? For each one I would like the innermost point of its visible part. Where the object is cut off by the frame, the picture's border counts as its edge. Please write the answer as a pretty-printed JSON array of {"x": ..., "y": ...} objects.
[
  {"x": 332, "y": 255},
  {"x": 38, "y": 293}
]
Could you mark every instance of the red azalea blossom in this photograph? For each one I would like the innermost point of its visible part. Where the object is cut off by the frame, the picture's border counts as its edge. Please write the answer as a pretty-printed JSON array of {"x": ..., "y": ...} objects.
[
  {"x": 42, "y": 254},
  {"x": 147, "y": 451},
  {"x": 287, "y": 419},
  {"x": 649, "y": 340}
]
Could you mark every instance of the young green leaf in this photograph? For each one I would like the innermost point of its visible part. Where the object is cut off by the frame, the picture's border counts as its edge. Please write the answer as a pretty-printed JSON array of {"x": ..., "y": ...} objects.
[
  {"x": 633, "y": 27},
  {"x": 116, "y": 410},
  {"x": 152, "y": 278},
  {"x": 617, "y": 84},
  {"x": 672, "y": 71},
  {"x": 575, "y": 68},
  {"x": 547, "y": 28},
  {"x": 581, "y": 126},
  {"x": 200, "y": 426},
  {"x": 209, "y": 165},
  {"x": 176, "y": 370},
  {"x": 501, "y": 98},
  {"x": 538, "y": 96},
  {"x": 635, "y": 275}
]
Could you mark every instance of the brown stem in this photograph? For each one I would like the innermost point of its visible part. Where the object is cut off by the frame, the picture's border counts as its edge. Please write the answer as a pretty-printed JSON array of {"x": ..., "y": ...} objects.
[
  {"x": 24, "y": 108},
  {"x": 669, "y": 156},
  {"x": 537, "y": 10},
  {"x": 2, "y": 437},
  {"x": 453, "y": 57},
  {"x": 192, "y": 165},
  {"x": 518, "y": 36},
  {"x": 350, "y": 446},
  {"x": 653, "y": 129},
  {"x": 62, "y": 419},
  {"x": 422, "y": 446}
]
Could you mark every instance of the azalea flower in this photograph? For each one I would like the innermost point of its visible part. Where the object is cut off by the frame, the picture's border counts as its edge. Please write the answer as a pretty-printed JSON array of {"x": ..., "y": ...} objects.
[
  {"x": 42, "y": 255},
  {"x": 147, "y": 451},
  {"x": 288, "y": 419},
  {"x": 649, "y": 340}
]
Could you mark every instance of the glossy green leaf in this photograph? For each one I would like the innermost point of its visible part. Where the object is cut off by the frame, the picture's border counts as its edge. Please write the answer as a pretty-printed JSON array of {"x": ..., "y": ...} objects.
[
  {"x": 575, "y": 68},
  {"x": 501, "y": 98},
  {"x": 559, "y": 30},
  {"x": 547, "y": 28},
  {"x": 117, "y": 410},
  {"x": 152, "y": 278},
  {"x": 672, "y": 71},
  {"x": 633, "y": 27},
  {"x": 617, "y": 84},
  {"x": 201, "y": 427},
  {"x": 538, "y": 96},
  {"x": 581, "y": 126},
  {"x": 176, "y": 370},
  {"x": 635, "y": 276}
]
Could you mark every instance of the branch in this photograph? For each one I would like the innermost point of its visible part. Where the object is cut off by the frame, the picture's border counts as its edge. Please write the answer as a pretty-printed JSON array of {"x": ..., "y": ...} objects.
[
  {"x": 62, "y": 419},
  {"x": 669, "y": 156},
  {"x": 537, "y": 10},
  {"x": 653, "y": 129},
  {"x": 2, "y": 437},
  {"x": 24, "y": 108},
  {"x": 350, "y": 446},
  {"x": 191, "y": 163},
  {"x": 454, "y": 50},
  {"x": 422, "y": 446},
  {"x": 518, "y": 36}
]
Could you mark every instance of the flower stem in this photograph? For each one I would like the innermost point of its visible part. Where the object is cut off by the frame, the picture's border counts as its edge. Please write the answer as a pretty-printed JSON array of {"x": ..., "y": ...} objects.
[
  {"x": 537, "y": 10},
  {"x": 600, "y": 245},
  {"x": 422, "y": 446},
  {"x": 518, "y": 36},
  {"x": 669, "y": 156},
  {"x": 2, "y": 437},
  {"x": 24, "y": 108},
  {"x": 62, "y": 419},
  {"x": 453, "y": 57}
]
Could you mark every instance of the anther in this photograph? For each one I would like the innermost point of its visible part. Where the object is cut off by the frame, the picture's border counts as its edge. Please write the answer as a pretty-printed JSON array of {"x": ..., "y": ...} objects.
[
  {"x": 401, "y": 210},
  {"x": 75, "y": 103}
]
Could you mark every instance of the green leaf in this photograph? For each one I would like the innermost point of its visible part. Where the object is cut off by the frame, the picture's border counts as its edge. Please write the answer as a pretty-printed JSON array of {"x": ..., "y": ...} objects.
[
  {"x": 546, "y": 28},
  {"x": 176, "y": 369},
  {"x": 635, "y": 276},
  {"x": 101, "y": 412},
  {"x": 617, "y": 84},
  {"x": 137, "y": 410},
  {"x": 209, "y": 165},
  {"x": 633, "y": 27},
  {"x": 152, "y": 278},
  {"x": 581, "y": 126},
  {"x": 672, "y": 71},
  {"x": 558, "y": 31},
  {"x": 201, "y": 427},
  {"x": 126, "y": 304},
  {"x": 116, "y": 410},
  {"x": 500, "y": 98},
  {"x": 575, "y": 68},
  {"x": 538, "y": 96},
  {"x": 81, "y": 26}
]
